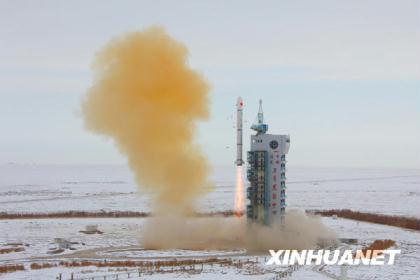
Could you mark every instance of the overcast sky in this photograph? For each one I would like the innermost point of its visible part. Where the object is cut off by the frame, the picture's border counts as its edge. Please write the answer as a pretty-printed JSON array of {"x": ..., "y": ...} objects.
[{"x": 341, "y": 77}]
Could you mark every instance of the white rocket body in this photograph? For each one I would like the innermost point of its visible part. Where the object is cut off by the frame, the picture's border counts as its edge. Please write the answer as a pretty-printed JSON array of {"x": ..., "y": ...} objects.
[{"x": 239, "y": 111}]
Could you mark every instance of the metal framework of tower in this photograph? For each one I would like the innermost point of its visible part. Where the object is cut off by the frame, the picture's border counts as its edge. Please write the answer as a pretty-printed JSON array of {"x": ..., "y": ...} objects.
[{"x": 266, "y": 174}]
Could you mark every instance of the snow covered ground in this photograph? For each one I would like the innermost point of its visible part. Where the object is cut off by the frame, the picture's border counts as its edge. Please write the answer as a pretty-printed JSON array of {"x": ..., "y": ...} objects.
[
  {"x": 408, "y": 241},
  {"x": 121, "y": 233},
  {"x": 33, "y": 188},
  {"x": 29, "y": 188}
]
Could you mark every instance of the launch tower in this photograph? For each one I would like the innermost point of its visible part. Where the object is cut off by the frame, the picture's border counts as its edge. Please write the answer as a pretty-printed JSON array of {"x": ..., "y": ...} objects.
[{"x": 266, "y": 174}]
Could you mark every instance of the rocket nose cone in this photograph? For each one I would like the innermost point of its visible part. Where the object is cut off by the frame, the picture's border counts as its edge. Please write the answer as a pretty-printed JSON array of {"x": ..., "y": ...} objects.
[{"x": 240, "y": 103}]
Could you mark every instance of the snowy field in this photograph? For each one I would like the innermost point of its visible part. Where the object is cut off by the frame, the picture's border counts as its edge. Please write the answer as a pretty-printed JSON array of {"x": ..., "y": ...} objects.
[
  {"x": 119, "y": 241},
  {"x": 32, "y": 188},
  {"x": 29, "y": 188}
]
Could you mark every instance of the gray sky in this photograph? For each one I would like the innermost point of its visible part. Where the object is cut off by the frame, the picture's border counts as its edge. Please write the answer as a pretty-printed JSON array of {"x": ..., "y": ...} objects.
[{"x": 341, "y": 77}]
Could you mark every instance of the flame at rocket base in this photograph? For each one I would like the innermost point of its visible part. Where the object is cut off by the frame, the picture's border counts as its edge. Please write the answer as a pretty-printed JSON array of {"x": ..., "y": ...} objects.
[{"x": 239, "y": 193}]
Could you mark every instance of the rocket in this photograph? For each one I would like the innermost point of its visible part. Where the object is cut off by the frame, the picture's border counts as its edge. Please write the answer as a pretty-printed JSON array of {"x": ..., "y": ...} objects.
[{"x": 239, "y": 111}]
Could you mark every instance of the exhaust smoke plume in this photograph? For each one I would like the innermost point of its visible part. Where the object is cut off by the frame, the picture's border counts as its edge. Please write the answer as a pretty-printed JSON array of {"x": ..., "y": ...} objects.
[
  {"x": 298, "y": 232},
  {"x": 148, "y": 100}
]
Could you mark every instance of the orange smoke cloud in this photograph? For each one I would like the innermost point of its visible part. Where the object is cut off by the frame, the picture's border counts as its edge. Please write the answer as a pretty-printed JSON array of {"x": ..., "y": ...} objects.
[{"x": 148, "y": 100}]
